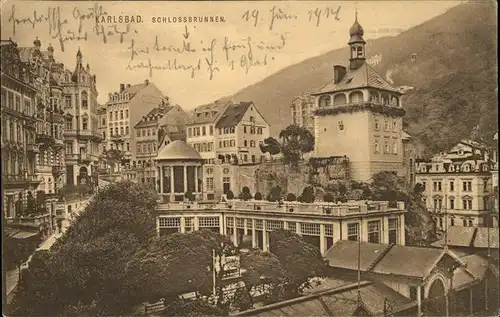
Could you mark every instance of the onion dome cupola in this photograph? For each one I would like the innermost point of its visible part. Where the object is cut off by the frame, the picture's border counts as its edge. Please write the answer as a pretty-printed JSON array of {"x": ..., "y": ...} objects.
[{"x": 357, "y": 44}]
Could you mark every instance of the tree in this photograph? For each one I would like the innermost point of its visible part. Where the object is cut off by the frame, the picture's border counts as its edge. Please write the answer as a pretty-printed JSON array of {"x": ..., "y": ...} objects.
[
  {"x": 388, "y": 186},
  {"x": 245, "y": 194},
  {"x": 308, "y": 194},
  {"x": 85, "y": 268},
  {"x": 295, "y": 141},
  {"x": 328, "y": 198},
  {"x": 271, "y": 146},
  {"x": 112, "y": 157},
  {"x": 301, "y": 260},
  {"x": 257, "y": 196},
  {"x": 229, "y": 195},
  {"x": 420, "y": 228},
  {"x": 291, "y": 197},
  {"x": 189, "y": 195},
  {"x": 275, "y": 194}
]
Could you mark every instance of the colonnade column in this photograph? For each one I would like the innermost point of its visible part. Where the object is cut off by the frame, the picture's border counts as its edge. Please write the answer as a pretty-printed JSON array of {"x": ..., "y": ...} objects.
[
  {"x": 172, "y": 190},
  {"x": 160, "y": 176},
  {"x": 221, "y": 225},
  {"x": 419, "y": 301},
  {"x": 196, "y": 223},
  {"x": 235, "y": 233},
  {"x": 264, "y": 237},
  {"x": 322, "y": 245},
  {"x": 183, "y": 225},
  {"x": 254, "y": 234},
  {"x": 196, "y": 179},
  {"x": 185, "y": 179}
]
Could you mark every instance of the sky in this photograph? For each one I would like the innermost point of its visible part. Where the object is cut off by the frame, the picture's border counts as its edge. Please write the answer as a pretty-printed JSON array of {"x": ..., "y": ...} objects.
[{"x": 195, "y": 63}]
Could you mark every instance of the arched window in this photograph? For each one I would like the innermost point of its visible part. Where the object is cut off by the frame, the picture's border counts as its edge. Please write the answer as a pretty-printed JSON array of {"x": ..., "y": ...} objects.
[
  {"x": 84, "y": 100},
  {"x": 324, "y": 101},
  {"x": 339, "y": 99},
  {"x": 356, "y": 97}
]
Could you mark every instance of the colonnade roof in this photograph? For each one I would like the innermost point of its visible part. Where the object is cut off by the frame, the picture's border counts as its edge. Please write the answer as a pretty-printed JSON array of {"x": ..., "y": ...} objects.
[{"x": 178, "y": 150}]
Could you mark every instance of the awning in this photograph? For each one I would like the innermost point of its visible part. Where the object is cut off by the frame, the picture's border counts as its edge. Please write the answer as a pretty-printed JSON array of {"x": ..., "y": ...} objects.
[{"x": 20, "y": 234}]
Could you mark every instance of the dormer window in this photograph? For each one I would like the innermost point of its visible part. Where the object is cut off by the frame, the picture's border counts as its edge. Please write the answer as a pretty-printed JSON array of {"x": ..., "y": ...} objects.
[
  {"x": 423, "y": 168},
  {"x": 451, "y": 169},
  {"x": 466, "y": 168},
  {"x": 485, "y": 167}
]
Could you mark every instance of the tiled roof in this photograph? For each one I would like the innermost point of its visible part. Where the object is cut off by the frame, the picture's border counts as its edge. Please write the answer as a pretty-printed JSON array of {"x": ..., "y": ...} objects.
[
  {"x": 341, "y": 302},
  {"x": 207, "y": 113},
  {"x": 470, "y": 237},
  {"x": 233, "y": 115},
  {"x": 386, "y": 259},
  {"x": 344, "y": 254},
  {"x": 178, "y": 150},
  {"x": 133, "y": 89},
  {"x": 364, "y": 76},
  {"x": 154, "y": 115}
]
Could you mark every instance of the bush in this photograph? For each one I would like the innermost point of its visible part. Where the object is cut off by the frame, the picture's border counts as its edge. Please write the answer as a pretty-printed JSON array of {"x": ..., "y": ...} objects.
[
  {"x": 300, "y": 199},
  {"x": 230, "y": 195},
  {"x": 257, "y": 196},
  {"x": 291, "y": 197},
  {"x": 328, "y": 198},
  {"x": 275, "y": 194},
  {"x": 245, "y": 196},
  {"x": 189, "y": 196},
  {"x": 245, "y": 190}
]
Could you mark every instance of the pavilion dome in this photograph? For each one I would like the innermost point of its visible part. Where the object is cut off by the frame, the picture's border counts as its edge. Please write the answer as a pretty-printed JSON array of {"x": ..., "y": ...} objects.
[{"x": 178, "y": 150}]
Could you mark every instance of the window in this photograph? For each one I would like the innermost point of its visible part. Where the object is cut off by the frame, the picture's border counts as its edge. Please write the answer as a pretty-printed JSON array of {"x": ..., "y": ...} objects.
[
  {"x": 252, "y": 143},
  {"x": 211, "y": 130},
  {"x": 353, "y": 231},
  {"x": 395, "y": 126},
  {"x": 210, "y": 184},
  {"x": 138, "y": 133},
  {"x": 128, "y": 146},
  {"x": 110, "y": 116},
  {"x": 394, "y": 147},
  {"x": 465, "y": 222},
  {"x": 471, "y": 224},
  {"x": 310, "y": 229},
  {"x": 386, "y": 125},
  {"x": 452, "y": 186},
  {"x": 393, "y": 231},
  {"x": 467, "y": 204},
  {"x": 85, "y": 123},
  {"x": 111, "y": 131},
  {"x": 203, "y": 130},
  {"x": 377, "y": 125},
  {"x": 452, "y": 203},
  {"x": 68, "y": 102},
  {"x": 374, "y": 231},
  {"x": 126, "y": 114},
  {"x": 452, "y": 221},
  {"x": 245, "y": 143},
  {"x": 121, "y": 130},
  {"x": 377, "y": 147},
  {"x": 116, "y": 130},
  {"x": 190, "y": 132},
  {"x": 121, "y": 114},
  {"x": 84, "y": 100},
  {"x": 467, "y": 186},
  {"x": 485, "y": 185},
  {"x": 126, "y": 131},
  {"x": 386, "y": 147},
  {"x": 341, "y": 125},
  {"x": 244, "y": 129}
]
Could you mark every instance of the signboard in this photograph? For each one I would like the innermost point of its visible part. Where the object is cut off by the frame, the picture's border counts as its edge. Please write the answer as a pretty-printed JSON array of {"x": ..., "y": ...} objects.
[{"x": 231, "y": 265}]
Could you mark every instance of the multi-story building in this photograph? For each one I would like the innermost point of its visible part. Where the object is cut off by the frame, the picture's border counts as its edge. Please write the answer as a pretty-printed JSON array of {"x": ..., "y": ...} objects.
[
  {"x": 227, "y": 136},
  {"x": 81, "y": 135},
  {"x": 124, "y": 109},
  {"x": 458, "y": 185},
  {"x": 359, "y": 114},
  {"x": 158, "y": 128},
  {"x": 302, "y": 112},
  {"x": 48, "y": 76},
  {"x": 20, "y": 202}
]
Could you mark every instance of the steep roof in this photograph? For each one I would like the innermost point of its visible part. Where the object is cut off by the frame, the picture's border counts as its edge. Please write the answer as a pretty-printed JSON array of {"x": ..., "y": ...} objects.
[
  {"x": 476, "y": 237},
  {"x": 207, "y": 113},
  {"x": 233, "y": 115},
  {"x": 363, "y": 77},
  {"x": 154, "y": 115},
  {"x": 178, "y": 150},
  {"x": 134, "y": 89},
  {"x": 386, "y": 259}
]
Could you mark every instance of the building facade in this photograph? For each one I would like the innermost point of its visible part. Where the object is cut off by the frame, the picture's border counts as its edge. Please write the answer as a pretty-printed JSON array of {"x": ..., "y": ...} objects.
[
  {"x": 322, "y": 224},
  {"x": 359, "y": 114},
  {"x": 81, "y": 134},
  {"x": 458, "y": 187},
  {"x": 124, "y": 109},
  {"x": 302, "y": 112},
  {"x": 21, "y": 203}
]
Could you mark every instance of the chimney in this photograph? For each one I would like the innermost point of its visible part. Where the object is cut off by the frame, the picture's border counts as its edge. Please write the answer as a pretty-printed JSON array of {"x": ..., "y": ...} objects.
[
  {"x": 128, "y": 85},
  {"x": 339, "y": 73},
  {"x": 110, "y": 96},
  {"x": 146, "y": 82},
  {"x": 122, "y": 87}
]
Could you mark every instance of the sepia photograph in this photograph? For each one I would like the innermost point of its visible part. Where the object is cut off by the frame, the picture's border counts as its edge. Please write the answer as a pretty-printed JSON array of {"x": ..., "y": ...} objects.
[{"x": 249, "y": 158}]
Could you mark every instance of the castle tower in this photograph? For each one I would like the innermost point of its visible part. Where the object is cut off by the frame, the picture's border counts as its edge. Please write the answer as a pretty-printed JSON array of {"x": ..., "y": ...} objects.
[{"x": 359, "y": 114}]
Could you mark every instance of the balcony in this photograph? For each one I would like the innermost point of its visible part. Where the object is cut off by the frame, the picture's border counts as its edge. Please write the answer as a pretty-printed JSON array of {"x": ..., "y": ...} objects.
[
  {"x": 20, "y": 181},
  {"x": 44, "y": 140},
  {"x": 32, "y": 148},
  {"x": 31, "y": 220},
  {"x": 58, "y": 143},
  {"x": 58, "y": 170},
  {"x": 321, "y": 209},
  {"x": 84, "y": 158}
]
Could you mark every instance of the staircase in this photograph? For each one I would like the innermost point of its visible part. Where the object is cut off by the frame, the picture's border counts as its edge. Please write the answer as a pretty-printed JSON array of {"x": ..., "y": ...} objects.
[{"x": 379, "y": 257}]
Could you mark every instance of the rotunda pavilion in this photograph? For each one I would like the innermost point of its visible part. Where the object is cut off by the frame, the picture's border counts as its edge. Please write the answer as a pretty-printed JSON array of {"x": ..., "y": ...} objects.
[{"x": 179, "y": 171}]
